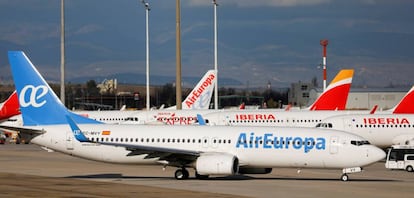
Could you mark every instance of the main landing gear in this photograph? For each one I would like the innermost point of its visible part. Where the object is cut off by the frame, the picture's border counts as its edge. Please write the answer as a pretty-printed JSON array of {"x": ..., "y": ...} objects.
[{"x": 181, "y": 174}]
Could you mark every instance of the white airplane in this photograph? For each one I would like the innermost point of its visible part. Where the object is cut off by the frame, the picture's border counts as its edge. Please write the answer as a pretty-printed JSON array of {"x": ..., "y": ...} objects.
[
  {"x": 209, "y": 150},
  {"x": 297, "y": 118},
  {"x": 328, "y": 104},
  {"x": 394, "y": 127},
  {"x": 333, "y": 98},
  {"x": 382, "y": 130}
]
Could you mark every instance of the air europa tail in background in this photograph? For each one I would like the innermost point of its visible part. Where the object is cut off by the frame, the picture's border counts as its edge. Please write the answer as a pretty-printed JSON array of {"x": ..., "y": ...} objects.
[
  {"x": 34, "y": 96},
  {"x": 200, "y": 96},
  {"x": 336, "y": 94},
  {"x": 10, "y": 107}
]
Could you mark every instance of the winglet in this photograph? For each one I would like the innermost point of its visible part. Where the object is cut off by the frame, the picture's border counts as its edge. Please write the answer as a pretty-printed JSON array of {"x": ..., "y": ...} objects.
[
  {"x": 38, "y": 103},
  {"x": 406, "y": 105},
  {"x": 10, "y": 107},
  {"x": 201, "y": 120},
  {"x": 336, "y": 94},
  {"x": 76, "y": 131}
]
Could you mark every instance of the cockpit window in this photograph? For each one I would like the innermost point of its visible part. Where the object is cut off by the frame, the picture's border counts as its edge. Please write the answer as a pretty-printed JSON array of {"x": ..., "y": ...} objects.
[
  {"x": 324, "y": 125},
  {"x": 359, "y": 142},
  {"x": 131, "y": 119}
]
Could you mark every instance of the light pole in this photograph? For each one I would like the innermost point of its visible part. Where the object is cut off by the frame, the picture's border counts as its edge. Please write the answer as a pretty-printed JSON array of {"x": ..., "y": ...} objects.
[
  {"x": 62, "y": 51},
  {"x": 178, "y": 89},
  {"x": 147, "y": 9},
  {"x": 215, "y": 56}
]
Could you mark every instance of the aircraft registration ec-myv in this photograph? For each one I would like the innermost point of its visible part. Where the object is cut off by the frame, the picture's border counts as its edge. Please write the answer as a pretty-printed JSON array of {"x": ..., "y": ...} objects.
[{"x": 209, "y": 150}]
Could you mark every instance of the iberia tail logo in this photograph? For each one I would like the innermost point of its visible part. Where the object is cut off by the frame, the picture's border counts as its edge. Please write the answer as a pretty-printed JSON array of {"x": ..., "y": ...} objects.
[{"x": 336, "y": 94}]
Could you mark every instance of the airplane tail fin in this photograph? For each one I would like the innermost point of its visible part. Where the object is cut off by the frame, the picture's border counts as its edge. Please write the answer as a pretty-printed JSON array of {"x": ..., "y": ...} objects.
[
  {"x": 336, "y": 94},
  {"x": 406, "y": 105},
  {"x": 10, "y": 107},
  {"x": 38, "y": 103},
  {"x": 200, "y": 96}
]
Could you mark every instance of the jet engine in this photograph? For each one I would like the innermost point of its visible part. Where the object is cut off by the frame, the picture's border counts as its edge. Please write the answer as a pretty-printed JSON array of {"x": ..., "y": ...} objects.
[{"x": 217, "y": 164}]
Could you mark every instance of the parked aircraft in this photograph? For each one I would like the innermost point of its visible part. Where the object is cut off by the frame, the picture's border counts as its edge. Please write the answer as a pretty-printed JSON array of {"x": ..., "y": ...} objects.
[
  {"x": 333, "y": 98},
  {"x": 10, "y": 107},
  {"x": 382, "y": 130},
  {"x": 297, "y": 118},
  {"x": 209, "y": 150}
]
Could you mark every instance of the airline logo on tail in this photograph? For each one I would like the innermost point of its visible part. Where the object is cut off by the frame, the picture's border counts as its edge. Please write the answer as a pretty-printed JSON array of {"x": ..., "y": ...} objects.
[
  {"x": 336, "y": 94},
  {"x": 36, "y": 97},
  {"x": 200, "y": 97},
  {"x": 406, "y": 104},
  {"x": 10, "y": 107}
]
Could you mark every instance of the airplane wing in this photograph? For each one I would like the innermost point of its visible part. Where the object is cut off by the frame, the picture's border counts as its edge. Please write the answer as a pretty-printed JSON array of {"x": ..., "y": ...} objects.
[
  {"x": 175, "y": 157},
  {"x": 26, "y": 133},
  {"x": 23, "y": 130}
]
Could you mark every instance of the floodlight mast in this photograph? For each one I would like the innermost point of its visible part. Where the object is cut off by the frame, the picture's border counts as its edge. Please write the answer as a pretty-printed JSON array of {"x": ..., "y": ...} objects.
[
  {"x": 215, "y": 56},
  {"x": 147, "y": 9},
  {"x": 62, "y": 51}
]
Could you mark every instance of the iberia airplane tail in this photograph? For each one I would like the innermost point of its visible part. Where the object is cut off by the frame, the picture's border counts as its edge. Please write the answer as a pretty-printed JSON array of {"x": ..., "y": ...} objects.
[
  {"x": 10, "y": 107},
  {"x": 336, "y": 94},
  {"x": 406, "y": 105}
]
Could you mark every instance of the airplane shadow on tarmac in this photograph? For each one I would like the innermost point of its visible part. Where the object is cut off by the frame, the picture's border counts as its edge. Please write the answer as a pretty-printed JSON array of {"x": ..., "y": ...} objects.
[{"x": 227, "y": 178}]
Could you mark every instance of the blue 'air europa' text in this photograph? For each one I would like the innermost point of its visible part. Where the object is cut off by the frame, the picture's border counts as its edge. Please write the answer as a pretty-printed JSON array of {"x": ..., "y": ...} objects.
[{"x": 270, "y": 141}]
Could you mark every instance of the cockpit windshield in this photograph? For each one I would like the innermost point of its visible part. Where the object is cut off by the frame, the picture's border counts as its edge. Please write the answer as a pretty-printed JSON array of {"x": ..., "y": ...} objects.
[
  {"x": 324, "y": 125},
  {"x": 131, "y": 119},
  {"x": 360, "y": 142}
]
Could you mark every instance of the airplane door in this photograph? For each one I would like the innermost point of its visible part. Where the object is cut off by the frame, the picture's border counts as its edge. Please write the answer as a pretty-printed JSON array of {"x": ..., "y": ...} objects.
[
  {"x": 69, "y": 141},
  {"x": 333, "y": 148}
]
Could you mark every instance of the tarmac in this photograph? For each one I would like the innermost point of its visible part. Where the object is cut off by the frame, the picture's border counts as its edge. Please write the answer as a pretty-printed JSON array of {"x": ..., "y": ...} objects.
[{"x": 29, "y": 171}]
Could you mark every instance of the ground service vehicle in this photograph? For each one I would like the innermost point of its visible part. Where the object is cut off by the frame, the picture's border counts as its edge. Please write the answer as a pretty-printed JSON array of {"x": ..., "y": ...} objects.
[{"x": 400, "y": 157}]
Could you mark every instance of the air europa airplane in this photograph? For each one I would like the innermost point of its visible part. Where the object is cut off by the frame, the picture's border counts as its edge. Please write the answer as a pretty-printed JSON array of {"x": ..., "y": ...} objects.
[{"x": 208, "y": 150}]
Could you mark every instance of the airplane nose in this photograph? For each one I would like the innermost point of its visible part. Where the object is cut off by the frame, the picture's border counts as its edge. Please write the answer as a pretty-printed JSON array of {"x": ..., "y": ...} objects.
[{"x": 376, "y": 154}]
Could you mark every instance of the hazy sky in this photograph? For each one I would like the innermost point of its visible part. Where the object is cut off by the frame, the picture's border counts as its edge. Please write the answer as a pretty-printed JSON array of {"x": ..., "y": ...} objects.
[{"x": 258, "y": 41}]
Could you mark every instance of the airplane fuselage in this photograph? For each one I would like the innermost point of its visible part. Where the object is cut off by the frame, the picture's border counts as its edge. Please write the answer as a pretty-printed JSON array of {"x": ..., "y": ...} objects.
[
  {"x": 382, "y": 130},
  {"x": 254, "y": 147}
]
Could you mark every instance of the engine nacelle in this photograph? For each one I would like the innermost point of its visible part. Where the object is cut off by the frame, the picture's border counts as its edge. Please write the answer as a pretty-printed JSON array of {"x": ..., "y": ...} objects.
[
  {"x": 255, "y": 170},
  {"x": 403, "y": 140},
  {"x": 217, "y": 164}
]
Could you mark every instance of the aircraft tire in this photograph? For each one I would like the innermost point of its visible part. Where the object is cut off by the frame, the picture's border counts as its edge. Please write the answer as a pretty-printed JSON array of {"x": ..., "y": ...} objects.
[
  {"x": 344, "y": 177},
  {"x": 181, "y": 174}
]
